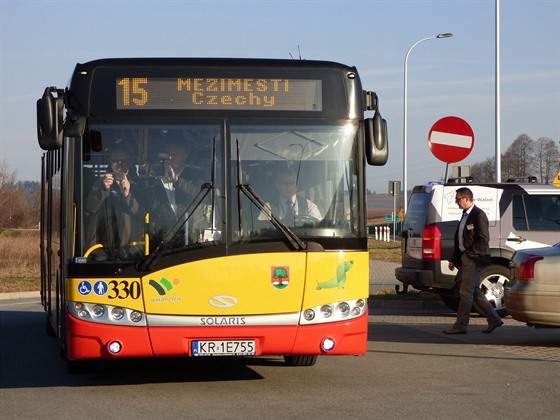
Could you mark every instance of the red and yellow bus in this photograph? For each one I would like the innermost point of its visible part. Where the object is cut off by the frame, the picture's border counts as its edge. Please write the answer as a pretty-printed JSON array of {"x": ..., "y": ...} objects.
[{"x": 164, "y": 230}]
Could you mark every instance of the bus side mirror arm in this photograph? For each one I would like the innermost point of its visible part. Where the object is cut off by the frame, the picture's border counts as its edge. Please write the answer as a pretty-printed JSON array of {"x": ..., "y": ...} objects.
[{"x": 74, "y": 125}]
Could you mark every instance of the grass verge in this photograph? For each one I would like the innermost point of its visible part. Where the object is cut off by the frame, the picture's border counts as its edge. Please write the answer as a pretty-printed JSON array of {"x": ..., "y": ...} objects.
[{"x": 19, "y": 261}]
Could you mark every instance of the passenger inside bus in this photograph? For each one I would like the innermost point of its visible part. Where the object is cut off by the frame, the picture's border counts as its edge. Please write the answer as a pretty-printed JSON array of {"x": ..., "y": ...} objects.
[
  {"x": 114, "y": 216},
  {"x": 170, "y": 190}
]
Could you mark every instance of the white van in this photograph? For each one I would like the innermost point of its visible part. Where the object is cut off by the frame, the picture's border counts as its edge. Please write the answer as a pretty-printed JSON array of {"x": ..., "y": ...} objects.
[{"x": 520, "y": 216}]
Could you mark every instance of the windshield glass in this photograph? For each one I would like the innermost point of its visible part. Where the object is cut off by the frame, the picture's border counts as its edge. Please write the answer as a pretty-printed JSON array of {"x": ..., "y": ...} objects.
[
  {"x": 153, "y": 188},
  {"x": 148, "y": 186},
  {"x": 306, "y": 176}
]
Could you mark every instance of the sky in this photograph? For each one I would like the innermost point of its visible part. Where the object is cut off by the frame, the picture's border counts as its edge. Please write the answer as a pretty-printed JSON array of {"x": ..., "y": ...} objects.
[{"x": 41, "y": 42}]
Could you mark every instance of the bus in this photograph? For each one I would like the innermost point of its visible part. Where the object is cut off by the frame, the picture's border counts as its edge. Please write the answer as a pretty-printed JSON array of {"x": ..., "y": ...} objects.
[{"x": 162, "y": 228}]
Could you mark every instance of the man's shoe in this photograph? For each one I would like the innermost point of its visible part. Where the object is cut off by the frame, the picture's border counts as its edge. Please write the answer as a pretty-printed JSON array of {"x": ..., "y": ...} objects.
[
  {"x": 492, "y": 327},
  {"x": 454, "y": 330}
]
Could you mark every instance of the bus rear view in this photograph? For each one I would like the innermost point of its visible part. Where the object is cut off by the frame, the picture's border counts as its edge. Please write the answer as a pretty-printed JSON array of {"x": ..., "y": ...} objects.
[{"x": 207, "y": 207}]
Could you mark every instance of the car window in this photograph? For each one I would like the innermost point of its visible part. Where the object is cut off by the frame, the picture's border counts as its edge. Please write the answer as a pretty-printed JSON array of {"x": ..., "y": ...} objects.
[
  {"x": 536, "y": 212},
  {"x": 416, "y": 214}
]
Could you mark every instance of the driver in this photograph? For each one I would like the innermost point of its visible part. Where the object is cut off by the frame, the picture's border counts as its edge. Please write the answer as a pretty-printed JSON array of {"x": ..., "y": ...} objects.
[{"x": 287, "y": 203}]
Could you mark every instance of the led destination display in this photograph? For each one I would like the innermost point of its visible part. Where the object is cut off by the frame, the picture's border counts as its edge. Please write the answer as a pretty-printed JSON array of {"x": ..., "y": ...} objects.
[{"x": 219, "y": 94}]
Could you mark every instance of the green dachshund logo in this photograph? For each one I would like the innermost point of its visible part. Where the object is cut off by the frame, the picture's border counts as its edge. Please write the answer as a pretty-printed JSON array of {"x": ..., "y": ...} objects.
[{"x": 340, "y": 278}]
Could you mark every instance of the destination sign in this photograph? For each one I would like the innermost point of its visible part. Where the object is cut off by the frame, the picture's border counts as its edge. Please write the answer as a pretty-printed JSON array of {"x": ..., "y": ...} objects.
[{"x": 200, "y": 93}]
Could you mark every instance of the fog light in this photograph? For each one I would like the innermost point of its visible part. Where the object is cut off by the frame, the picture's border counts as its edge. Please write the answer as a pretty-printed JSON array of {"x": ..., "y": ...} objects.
[
  {"x": 98, "y": 311},
  {"x": 114, "y": 347},
  {"x": 117, "y": 313},
  {"x": 327, "y": 344},
  {"x": 83, "y": 313},
  {"x": 309, "y": 314},
  {"x": 344, "y": 308},
  {"x": 326, "y": 311},
  {"x": 135, "y": 316}
]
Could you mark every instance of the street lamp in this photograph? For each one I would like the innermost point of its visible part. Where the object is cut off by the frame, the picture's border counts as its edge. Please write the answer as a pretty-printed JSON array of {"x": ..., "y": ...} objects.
[{"x": 405, "y": 185}]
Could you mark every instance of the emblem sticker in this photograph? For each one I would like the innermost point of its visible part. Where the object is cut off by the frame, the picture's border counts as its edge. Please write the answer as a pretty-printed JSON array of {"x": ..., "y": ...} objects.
[
  {"x": 164, "y": 285},
  {"x": 280, "y": 276},
  {"x": 340, "y": 279}
]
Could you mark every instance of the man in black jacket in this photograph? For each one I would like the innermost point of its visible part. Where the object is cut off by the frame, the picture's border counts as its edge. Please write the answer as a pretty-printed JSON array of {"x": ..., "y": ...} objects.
[{"x": 470, "y": 254}]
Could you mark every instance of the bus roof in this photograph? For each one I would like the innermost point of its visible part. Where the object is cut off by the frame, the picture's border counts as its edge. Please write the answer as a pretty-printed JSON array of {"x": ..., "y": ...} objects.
[{"x": 218, "y": 62}]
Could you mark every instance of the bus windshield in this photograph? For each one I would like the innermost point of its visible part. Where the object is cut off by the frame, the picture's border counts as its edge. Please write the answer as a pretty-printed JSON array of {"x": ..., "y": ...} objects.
[{"x": 169, "y": 186}]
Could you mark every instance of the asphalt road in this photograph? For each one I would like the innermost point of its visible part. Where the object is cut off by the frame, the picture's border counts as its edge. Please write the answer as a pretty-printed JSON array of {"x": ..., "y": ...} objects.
[{"x": 411, "y": 371}]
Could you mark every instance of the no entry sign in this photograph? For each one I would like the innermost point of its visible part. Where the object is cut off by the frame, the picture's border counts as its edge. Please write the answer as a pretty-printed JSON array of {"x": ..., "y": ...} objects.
[{"x": 451, "y": 139}]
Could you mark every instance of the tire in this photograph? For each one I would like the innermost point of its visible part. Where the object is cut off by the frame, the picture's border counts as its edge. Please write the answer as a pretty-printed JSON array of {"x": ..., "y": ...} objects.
[
  {"x": 493, "y": 280},
  {"x": 300, "y": 360}
]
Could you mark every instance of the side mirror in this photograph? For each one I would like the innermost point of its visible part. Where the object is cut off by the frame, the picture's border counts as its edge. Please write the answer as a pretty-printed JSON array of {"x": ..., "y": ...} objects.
[
  {"x": 377, "y": 147},
  {"x": 50, "y": 120}
]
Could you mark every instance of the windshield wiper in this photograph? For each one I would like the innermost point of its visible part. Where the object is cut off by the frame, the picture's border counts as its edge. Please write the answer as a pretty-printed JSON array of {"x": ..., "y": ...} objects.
[
  {"x": 295, "y": 241},
  {"x": 256, "y": 199},
  {"x": 177, "y": 226}
]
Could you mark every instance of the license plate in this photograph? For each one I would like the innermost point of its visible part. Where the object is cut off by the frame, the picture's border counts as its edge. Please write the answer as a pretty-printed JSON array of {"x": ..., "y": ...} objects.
[{"x": 223, "y": 348}]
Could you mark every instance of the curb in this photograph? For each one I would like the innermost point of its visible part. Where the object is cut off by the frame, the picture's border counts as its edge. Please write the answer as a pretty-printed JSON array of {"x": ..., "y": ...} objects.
[
  {"x": 406, "y": 304},
  {"x": 19, "y": 295}
]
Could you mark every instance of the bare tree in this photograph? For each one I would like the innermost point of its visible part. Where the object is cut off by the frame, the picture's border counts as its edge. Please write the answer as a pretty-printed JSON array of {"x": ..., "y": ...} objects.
[
  {"x": 6, "y": 178},
  {"x": 484, "y": 171},
  {"x": 547, "y": 159},
  {"x": 517, "y": 161},
  {"x": 19, "y": 208}
]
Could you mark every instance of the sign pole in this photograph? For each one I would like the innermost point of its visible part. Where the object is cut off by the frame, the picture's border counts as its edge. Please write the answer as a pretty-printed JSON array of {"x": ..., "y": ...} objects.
[
  {"x": 447, "y": 172},
  {"x": 394, "y": 215}
]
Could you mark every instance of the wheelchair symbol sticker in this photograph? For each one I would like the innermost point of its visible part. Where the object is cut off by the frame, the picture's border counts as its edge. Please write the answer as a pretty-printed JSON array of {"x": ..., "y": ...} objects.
[
  {"x": 100, "y": 288},
  {"x": 84, "y": 288}
]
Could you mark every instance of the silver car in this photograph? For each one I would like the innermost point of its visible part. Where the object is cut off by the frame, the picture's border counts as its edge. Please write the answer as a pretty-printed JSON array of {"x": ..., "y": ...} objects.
[{"x": 533, "y": 296}]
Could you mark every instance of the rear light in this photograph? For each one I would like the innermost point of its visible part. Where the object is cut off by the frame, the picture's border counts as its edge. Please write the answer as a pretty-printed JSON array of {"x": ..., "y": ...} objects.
[
  {"x": 431, "y": 243},
  {"x": 526, "y": 268}
]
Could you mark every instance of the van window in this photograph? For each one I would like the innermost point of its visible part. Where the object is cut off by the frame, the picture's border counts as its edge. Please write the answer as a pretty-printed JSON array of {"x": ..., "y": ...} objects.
[
  {"x": 536, "y": 212},
  {"x": 416, "y": 214}
]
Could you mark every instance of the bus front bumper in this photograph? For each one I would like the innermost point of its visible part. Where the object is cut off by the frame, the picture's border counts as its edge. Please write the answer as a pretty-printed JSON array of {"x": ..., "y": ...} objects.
[{"x": 88, "y": 340}]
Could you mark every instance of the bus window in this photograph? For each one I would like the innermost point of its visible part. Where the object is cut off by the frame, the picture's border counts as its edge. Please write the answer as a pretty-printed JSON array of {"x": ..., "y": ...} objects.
[
  {"x": 305, "y": 175},
  {"x": 149, "y": 188}
]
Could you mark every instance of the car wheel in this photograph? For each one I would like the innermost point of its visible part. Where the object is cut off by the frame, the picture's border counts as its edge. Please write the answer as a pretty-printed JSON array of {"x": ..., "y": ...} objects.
[{"x": 494, "y": 279}]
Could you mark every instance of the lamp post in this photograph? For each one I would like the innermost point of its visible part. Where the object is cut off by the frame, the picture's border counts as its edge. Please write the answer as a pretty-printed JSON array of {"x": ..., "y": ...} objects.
[{"x": 405, "y": 185}]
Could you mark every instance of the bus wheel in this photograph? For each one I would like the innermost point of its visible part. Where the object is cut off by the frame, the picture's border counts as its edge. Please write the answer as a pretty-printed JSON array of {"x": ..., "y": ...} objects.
[{"x": 300, "y": 360}]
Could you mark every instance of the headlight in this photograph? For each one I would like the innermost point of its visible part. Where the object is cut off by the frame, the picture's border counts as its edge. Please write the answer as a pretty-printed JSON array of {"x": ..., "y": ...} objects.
[
  {"x": 344, "y": 308},
  {"x": 309, "y": 314},
  {"x": 356, "y": 311},
  {"x": 326, "y": 311},
  {"x": 117, "y": 313},
  {"x": 135, "y": 316},
  {"x": 98, "y": 311}
]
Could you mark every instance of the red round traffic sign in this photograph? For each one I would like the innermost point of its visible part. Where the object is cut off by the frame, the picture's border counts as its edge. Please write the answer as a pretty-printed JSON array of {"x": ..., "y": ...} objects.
[{"x": 451, "y": 139}]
